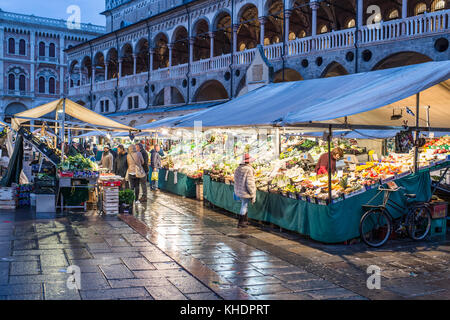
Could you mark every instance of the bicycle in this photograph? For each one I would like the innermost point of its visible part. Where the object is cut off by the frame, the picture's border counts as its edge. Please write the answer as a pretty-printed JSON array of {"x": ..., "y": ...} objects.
[{"x": 377, "y": 223}]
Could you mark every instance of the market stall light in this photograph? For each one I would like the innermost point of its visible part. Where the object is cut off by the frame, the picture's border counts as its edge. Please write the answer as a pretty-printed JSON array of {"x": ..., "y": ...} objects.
[
  {"x": 164, "y": 131},
  {"x": 396, "y": 116}
]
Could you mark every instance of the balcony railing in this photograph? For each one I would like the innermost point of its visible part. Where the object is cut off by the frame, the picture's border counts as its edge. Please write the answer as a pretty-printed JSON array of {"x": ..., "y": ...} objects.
[
  {"x": 17, "y": 93},
  {"x": 399, "y": 29}
]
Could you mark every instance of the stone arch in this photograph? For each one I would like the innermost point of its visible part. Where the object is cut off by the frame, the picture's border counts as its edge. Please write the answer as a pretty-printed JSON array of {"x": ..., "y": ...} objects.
[
  {"x": 86, "y": 69},
  {"x": 169, "y": 96},
  {"x": 240, "y": 8},
  {"x": 161, "y": 51},
  {"x": 289, "y": 75},
  {"x": 99, "y": 65},
  {"x": 180, "y": 42},
  {"x": 273, "y": 28},
  {"x": 401, "y": 59},
  {"x": 126, "y": 54},
  {"x": 334, "y": 69},
  {"x": 249, "y": 27},
  {"x": 222, "y": 33},
  {"x": 142, "y": 55},
  {"x": 219, "y": 15},
  {"x": 12, "y": 109},
  {"x": 112, "y": 61},
  {"x": 300, "y": 19},
  {"x": 199, "y": 20},
  {"x": 202, "y": 42},
  {"x": 211, "y": 90}
]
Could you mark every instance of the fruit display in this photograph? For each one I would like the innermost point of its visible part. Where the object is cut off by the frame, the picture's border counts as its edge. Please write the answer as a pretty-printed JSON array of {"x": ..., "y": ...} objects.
[{"x": 292, "y": 173}]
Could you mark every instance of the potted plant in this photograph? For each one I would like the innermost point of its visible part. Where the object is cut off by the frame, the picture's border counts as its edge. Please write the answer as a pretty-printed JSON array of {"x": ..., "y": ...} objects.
[{"x": 126, "y": 200}]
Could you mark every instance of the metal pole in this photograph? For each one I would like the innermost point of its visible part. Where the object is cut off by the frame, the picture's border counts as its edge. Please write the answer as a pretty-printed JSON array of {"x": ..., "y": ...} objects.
[
  {"x": 63, "y": 129},
  {"x": 329, "y": 163},
  {"x": 416, "y": 145}
]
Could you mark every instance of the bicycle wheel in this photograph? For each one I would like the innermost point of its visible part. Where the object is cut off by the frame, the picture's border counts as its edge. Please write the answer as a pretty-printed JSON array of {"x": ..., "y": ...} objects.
[
  {"x": 375, "y": 227},
  {"x": 419, "y": 222}
]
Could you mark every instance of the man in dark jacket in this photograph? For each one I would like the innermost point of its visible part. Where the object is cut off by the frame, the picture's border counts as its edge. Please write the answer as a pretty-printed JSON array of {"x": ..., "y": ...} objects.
[
  {"x": 121, "y": 164},
  {"x": 155, "y": 164},
  {"x": 143, "y": 181}
]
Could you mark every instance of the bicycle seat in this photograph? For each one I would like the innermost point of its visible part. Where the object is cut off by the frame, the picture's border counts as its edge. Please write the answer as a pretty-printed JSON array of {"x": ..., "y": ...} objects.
[{"x": 410, "y": 196}]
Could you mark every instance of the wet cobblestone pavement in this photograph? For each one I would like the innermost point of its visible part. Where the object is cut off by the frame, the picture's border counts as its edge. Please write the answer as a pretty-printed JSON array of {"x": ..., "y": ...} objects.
[{"x": 176, "y": 248}]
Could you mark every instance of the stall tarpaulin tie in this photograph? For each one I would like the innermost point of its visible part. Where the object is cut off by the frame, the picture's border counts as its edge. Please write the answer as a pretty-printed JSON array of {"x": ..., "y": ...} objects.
[{"x": 175, "y": 177}]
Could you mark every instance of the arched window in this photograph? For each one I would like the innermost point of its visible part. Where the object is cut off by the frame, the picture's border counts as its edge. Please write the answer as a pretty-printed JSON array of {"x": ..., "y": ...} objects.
[
  {"x": 420, "y": 8},
  {"x": 51, "y": 85},
  {"x": 437, "y": 5},
  {"x": 393, "y": 14},
  {"x": 323, "y": 29},
  {"x": 41, "y": 49},
  {"x": 22, "y": 47},
  {"x": 71, "y": 83},
  {"x": 22, "y": 83},
  {"x": 351, "y": 23},
  {"x": 11, "y": 82},
  {"x": 51, "y": 50},
  {"x": 11, "y": 46},
  {"x": 41, "y": 85}
]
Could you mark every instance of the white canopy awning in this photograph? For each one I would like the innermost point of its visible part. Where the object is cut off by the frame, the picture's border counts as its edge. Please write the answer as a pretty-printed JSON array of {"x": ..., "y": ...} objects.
[
  {"x": 365, "y": 98},
  {"x": 72, "y": 109}
]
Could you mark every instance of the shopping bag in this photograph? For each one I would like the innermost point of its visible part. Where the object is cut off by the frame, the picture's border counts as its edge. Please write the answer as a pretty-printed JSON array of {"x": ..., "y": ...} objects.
[
  {"x": 235, "y": 197},
  {"x": 155, "y": 176}
]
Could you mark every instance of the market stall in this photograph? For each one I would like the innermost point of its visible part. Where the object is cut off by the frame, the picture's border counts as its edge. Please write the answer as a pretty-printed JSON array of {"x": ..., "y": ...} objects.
[
  {"x": 328, "y": 207},
  {"x": 72, "y": 179}
]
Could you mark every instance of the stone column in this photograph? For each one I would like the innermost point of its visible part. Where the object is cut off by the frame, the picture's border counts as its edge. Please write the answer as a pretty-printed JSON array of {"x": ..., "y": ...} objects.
[
  {"x": 235, "y": 30},
  {"x": 62, "y": 64},
  {"x": 262, "y": 22},
  {"x": 404, "y": 9},
  {"x": 191, "y": 49},
  {"x": 151, "y": 52},
  {"x": 287, "y": 15},
  {"x": 211, "y": 45},
  {"x": 120, "y": 69},
  {"x": 93, "y": 73},
  {"x": 314, "y": 6},
  {"x": 134, "y": 63},
  {"x": 81, "y": 75},
  {"x": 2, "y": 39},
  {"x": 170, "y": 47},
  {"x": 360, "y": 13},
  {"x": 32, "y": 60},
  {"x": 106, "y": 70}
]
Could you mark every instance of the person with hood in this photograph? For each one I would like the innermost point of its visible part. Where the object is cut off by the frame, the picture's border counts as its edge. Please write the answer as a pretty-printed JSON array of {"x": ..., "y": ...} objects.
[
  {"x": 135, "y": 162},
  {"x": 155, "y": 165},
  {"x": 121, "y": 163},
  {"x": 143, "y": 181},
  {"x": 245, "y": 188},
  {"x": 107, "y": 159}
]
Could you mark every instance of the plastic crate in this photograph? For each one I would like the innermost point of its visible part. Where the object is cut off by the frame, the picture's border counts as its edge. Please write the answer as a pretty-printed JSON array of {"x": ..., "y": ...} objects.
[
  {"x": 439, "y": 210},
  {"x": 438, "y": 229}
]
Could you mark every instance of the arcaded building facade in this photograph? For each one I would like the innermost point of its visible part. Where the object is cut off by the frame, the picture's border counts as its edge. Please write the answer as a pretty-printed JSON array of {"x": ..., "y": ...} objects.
[{"x": 160, "y": 56}]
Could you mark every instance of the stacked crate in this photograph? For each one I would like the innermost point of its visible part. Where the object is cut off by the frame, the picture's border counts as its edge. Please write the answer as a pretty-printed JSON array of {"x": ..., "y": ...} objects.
[
  {"x": 8, "y": 199},
  {"x": 111, "y": 200}
]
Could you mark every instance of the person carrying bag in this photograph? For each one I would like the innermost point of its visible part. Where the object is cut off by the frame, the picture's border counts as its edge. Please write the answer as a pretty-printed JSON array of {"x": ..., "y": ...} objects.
[{"x": 135, "y": 171}]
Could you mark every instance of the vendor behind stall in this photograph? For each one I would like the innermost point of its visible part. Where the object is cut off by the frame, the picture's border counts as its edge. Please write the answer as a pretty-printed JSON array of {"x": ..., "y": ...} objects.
[
  {"x": 322, "y": 164},
  {"x": 107, "y": 159}
]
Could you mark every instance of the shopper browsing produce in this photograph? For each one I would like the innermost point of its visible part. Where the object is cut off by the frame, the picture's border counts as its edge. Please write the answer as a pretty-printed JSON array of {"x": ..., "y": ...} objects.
[
  {"x": 143, "y": 181},
  {"x": 155, "y": 164},
  {"x": 120, "y": 163},
  {"x": 322, "y": 164},
  {"x": 245, "y": 188}
]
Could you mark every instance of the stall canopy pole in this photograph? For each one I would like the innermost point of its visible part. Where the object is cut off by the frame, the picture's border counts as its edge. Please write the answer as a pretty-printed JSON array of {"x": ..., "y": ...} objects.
[
  {"x": 63, "y": 129},
  {"x": 416, "y": 142},
  {"x": 329, "y": 163}
]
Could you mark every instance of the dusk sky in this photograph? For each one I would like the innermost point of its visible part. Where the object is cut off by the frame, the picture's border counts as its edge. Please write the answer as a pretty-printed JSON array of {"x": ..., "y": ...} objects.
[{"x": 90, "y": 9}]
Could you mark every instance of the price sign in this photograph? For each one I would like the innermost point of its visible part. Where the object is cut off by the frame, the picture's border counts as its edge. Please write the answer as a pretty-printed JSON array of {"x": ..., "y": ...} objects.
[
  {"x": 340, "y": 174},
  {"x": 375, "y": 157},
  {"x": 352, "y": 167}
]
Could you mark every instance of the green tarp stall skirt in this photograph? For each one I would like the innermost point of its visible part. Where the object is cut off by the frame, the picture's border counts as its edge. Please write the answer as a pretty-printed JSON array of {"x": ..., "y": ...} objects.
[
  {"x": 332, "y": 223},
  {"x": 185, "y": 186}
]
